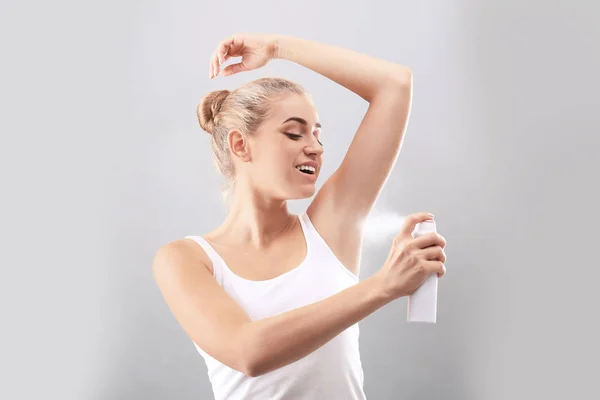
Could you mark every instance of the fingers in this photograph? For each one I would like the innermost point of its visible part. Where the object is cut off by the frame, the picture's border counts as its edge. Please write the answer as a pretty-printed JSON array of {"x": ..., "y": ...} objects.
[
  {"x": 435, "y": 267},
  {"x": 222, "y": 53},
  {"x": 214, "y": 65},
  {"x": 428, "y": 240},
  {"x": 434, "y": 253},
  {"x": 234, "y": 69},
  {"x": 223, "y": 49},
  {"x": 411, "y": 222},
  {"x": 217, "y": 58}
]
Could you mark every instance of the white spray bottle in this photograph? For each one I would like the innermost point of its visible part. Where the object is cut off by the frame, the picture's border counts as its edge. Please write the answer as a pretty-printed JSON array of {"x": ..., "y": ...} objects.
[{"x": 422, "y": 303}]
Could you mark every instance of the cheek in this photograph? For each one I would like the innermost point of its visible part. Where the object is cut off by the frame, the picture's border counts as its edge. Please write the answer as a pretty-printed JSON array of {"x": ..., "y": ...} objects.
[
  {"x": 276, "y": 158},
  {"x": 281, "y": 153}
]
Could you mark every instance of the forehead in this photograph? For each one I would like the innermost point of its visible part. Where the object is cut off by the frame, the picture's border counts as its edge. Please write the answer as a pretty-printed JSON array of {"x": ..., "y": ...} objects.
[{"x": 293, "y": 105}]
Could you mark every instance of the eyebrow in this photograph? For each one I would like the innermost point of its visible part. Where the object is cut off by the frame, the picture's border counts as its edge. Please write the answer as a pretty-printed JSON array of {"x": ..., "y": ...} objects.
[{"x": 301, "y": 120}]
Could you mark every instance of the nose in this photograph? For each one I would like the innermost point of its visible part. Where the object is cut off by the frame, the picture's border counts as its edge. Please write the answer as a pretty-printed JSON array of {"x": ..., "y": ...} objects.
[{"x": 314, "y": 147}]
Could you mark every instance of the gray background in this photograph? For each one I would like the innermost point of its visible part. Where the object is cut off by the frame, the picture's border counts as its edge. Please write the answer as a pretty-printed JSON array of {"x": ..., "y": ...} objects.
[{"x": 102, "y": 161}]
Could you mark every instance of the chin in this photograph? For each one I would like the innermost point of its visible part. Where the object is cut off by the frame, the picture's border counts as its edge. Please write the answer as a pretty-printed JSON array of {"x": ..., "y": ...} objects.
[
  {"x": 300, "y": 193},
  {"x": 308, "y": 192}
]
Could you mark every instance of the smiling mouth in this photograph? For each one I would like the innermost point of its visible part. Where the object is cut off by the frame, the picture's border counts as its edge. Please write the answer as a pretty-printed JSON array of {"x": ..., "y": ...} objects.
[{"x": 306, "y": 170}]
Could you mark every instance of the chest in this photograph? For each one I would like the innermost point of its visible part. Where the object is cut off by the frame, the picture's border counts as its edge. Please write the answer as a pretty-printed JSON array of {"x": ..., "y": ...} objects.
[
  {"x": 317, "y": 277},
  {"x": 283, "y": 256}
]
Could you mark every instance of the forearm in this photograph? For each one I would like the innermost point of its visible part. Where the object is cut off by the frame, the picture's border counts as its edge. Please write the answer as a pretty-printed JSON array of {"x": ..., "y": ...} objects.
[
  {"x": 277, "y": 341},
  {"x": 359, "y": 73}
]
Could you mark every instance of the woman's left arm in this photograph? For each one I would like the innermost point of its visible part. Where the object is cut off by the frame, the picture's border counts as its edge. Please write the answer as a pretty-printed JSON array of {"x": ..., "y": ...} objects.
[{"x": 355, "y": 185}]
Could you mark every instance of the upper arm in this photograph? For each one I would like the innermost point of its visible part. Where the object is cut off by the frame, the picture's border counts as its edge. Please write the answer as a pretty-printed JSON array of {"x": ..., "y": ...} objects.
[
  {"x": 209, "y": 316},
  {"x": 355, "y": 185}
]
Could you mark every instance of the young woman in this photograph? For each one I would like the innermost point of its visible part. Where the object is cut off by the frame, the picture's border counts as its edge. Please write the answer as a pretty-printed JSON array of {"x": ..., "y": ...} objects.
[{"x": 272, "y": 300}]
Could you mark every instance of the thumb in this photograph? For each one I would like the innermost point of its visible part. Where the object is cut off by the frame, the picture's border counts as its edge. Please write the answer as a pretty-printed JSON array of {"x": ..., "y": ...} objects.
[
  {"x": 412, "y": 220},
  {"x": 234, "y": 69}
]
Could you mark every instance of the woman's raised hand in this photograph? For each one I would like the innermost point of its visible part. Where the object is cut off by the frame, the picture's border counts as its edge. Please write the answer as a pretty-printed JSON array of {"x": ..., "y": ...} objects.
[{"x": 256, "y": 50}]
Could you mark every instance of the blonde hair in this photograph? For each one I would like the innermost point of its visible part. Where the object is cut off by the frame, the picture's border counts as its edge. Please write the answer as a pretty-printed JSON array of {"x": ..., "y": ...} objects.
[{"x": 243, "y": 109}]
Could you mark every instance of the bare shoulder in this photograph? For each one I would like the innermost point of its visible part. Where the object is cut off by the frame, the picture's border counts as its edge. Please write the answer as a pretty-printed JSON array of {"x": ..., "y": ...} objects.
[
  {"x": 338, "y": 226},
  {"x": 208, "y": 315},
  {"x": 179, "y": 257}
]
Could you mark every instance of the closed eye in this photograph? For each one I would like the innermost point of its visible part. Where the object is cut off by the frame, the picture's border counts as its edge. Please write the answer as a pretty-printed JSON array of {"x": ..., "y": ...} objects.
[{"x": 293, "y": 136}]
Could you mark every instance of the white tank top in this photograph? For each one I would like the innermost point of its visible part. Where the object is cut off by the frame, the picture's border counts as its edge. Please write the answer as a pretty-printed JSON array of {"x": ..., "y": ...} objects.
[{"x": 332, "y": 372}]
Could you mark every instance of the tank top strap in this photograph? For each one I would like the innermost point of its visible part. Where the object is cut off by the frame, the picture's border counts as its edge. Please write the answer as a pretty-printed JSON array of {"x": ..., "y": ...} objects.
[
  {"x": 319, "y": 246},
  {"x": 313, "y": 238},
  {"x": 215, "y": 258}
]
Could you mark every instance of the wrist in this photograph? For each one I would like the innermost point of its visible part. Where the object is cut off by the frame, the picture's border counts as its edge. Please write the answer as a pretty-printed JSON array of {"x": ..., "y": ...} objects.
[
  {"x": 278, "y": 44},
  {"x": 381, "y": 288},
  {"x": 286, "y": 47}
]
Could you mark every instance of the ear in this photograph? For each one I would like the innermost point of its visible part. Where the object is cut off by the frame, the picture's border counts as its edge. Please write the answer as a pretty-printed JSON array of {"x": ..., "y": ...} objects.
[{"x": 239, "y": 146}]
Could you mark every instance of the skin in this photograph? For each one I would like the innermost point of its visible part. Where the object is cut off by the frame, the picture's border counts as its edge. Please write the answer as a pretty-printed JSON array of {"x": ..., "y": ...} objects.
[
  {"x": 266, "y": 174},
  {"x": 260, "y": 231}
]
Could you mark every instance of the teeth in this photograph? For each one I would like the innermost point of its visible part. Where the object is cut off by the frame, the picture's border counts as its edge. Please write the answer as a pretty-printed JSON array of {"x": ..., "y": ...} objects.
[{"x": 306, "y": 168}]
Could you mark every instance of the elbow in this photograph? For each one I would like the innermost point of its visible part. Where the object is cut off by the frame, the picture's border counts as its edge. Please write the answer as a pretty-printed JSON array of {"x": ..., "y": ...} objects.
[
  {"x": 256, "y": 362},
  {"x": 252, "y": 368},
  {"x": 402, "y": 77},
  {"x": 398, "y": 84},
  {"x": 249, "y": 356},
  {"x": 251, "y": 371}
]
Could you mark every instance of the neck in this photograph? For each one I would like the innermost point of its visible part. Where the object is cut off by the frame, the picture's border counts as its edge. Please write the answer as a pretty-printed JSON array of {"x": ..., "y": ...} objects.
[{"x": 255, "y": 220}]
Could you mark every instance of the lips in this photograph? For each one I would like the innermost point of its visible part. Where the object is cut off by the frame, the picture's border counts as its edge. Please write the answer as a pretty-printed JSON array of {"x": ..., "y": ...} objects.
[
  {"x": 313, "y": 164},
  {"x": 306, "y": 169}
]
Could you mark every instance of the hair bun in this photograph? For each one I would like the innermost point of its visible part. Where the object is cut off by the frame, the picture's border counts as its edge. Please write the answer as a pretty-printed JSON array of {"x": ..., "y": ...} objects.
[{"x": 209, "y": 107}]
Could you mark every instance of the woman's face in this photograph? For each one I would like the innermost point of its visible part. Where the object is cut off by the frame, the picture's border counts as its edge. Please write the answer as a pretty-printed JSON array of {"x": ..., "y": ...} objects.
[{"x": 288, "y": 139}]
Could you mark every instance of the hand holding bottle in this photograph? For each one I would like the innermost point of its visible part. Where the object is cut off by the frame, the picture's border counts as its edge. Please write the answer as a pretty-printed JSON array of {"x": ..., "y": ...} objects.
[{"x": 412, "y": 260}]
